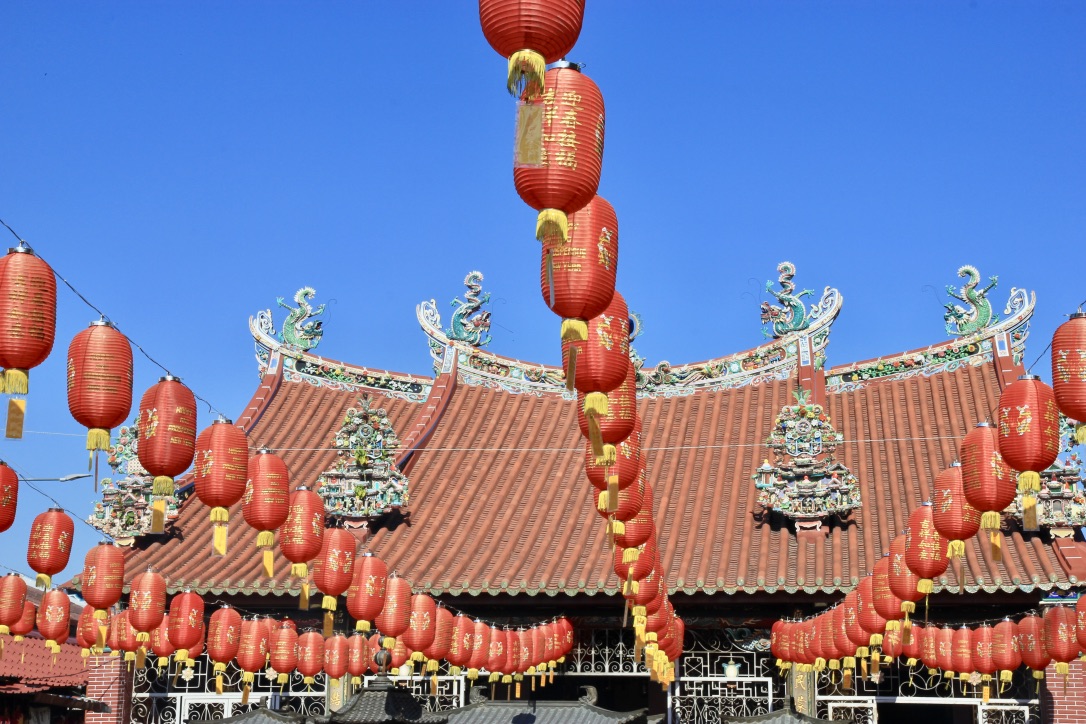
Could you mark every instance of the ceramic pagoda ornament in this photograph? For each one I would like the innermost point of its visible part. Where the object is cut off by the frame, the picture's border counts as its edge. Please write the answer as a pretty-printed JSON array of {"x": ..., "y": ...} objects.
[{"x": 805, "y": 483}]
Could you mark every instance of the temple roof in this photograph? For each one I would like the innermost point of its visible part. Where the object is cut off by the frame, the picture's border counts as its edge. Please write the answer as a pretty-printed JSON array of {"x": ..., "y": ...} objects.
[
  {"x": 28, "y": 667},
  {"x": 499, "y": 503}
]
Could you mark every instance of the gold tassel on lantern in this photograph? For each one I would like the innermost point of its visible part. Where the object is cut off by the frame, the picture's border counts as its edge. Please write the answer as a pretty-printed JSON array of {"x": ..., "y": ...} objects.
[
  {"x": 163, "y": 485},
  {"x": 363, "y": 626},
  {"x": 526, "y": 71},
  {"x": 44, "y": 580},
  {"x": 991, "y": 521},
  {"x": 1028, "y": 482},
  {"x": 16, "y": 381},
  {"x": 1080, "y": 433},
  {"x": 97, "y": 439},
  {"x": 956, "y": 549},
  {"x": 573, "y": 330},
  {"x": 924, "y": 586},
  {"x": 552, "y": 225},
  {"x": 219, "y": 518},
  {"x": 610, "y": 455}
]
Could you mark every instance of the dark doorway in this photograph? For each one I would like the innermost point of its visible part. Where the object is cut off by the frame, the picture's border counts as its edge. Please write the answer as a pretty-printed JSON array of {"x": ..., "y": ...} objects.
[{"x": 890, "y": 713}]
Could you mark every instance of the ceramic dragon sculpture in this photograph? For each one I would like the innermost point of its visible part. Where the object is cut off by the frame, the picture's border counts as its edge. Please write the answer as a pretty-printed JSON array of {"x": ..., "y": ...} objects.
[
  {"x": 792, "y": 315},
  {"x": 963, "y": 321},
  {"x": 469, "y": 322},
  {"x": 299, "y": 329}
]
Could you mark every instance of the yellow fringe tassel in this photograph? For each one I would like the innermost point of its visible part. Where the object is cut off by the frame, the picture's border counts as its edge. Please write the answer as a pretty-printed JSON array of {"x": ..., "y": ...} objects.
[
  {"x": 265, "y": 539},
  {"x": 990, "y": 520},
  {"x": 16, "y": 381},
  {"x": 876, "y": 640},
  {"x": 269, "y": 564},
  {"x": 418, "y": 656},
  {"x": 924, "y": 586},
  {"x": 630, "y": 555},
  {"x": 97, "y": 439},
  {"x": 44, "y": 581},
  {"x": 893, "y": 625},
  {"x": 388, "y": 643},
  {"x": 595, "y": 403},
  {"x": 363, "y": 626},
  {"x": 610, "y": 455},
  {"x": 1080, "y": 433},
  {"x": 158, "y": 516},
  {"x": 328, "y": 603},
  {"x": 552, "y": 225},
  {"x": 618, "y": 527},
  {"x": 163, "y": 485},
  {"x": 956, "y": 549},
  {"x": 299, "y": 570},
  {"x": 1029, "y": 482},
  {"x": 526, "y": 72},
  {"x": 574, "y": 330}
]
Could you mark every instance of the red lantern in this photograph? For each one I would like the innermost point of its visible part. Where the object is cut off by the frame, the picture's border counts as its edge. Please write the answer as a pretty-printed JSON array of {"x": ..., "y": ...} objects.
[
  {"x": 624, "y": 504},
  {"x": 891, "y": 643},
  {"x": 480, "y": 649},
  {"x": 146, "y": 603},
  {"x": 87, "y": 629},
  {"x": 952, "y": 514},
  {"x": 400, "y": 655},
  {"x": 986, "y": 480},
  {"x": 266, "y": 501},
  {"x": 459, "y": 653},
  {"x": 1005, "y": 651},
  {"x": 929, "y": 648},
  {"x": 160, "y": 643},
  {"x": 186, "y": 623},
  {"x": 50, "y": 544},
  {"x": 366, "y": 595},
  {"x": 12, "y": 598},
  {"x": 841, "y": 640},
  {"x": 925, "y": 548},
  {"x": 358, "y": 657},
  {"x": 442, "y": 643},
  {"x": 868, "y": 617},
  {"x": 99, "y": 381},
  {"x": 310, "y": 655},
  {"x": 103, "y": 578},
  {"x": 638, "y": 529},
  {"x": 568, "y": 174},
  {"x": 598, "y": 364},
  {"x": 1029, "y": 429},
  {"x": 122, "y": 637},
  {"x": 913, "y": 650},
  {"x": 944, "y": 647},
  {"x": 853, "y": 630},
  {"x": 335, "y": 657},
  {"x": 28, "y": 315},
  {"x": 1061, "y": 641},
  {"x": 887, "y": 604},
  {"x": 577, "y": 278},
  {"x": 167, "y": 432},
  {"x": 252, "y": 654},
  {"x": 565, "y": 637},
  {"x": 25, "y": 625},
  {"x": 903, "y": 582},
  {"x": 54, "y": 618},
  {"x": 223, "y": 640},
  {"x": 618, "y": 468},
  {"x": 499, "y": 656},
  {"x": 826, "y": 642},
  {"x": 421, "y": 625},
  {"x": 1080, "y": 619},
  {"x": 332, "y": 569},
  {"x": 962, "y": 652},
  {"x": 982, "y": 639},
  {"x": 530, "y": 35},
  {"x": 776, "y": 641},
  {"x": 634, "y": 564},
  {"x": 302, "y": 535},
  {"x": 220, "y": 473},
  {"x": 621, "y": 419},
  {"x": 395, "y": 615},
  {"x": 9, "y": 494},
  {"x": 1069, "y": 371},
  {"x": 282, "y": 651},
  {"x": 1031, "y": 644}
]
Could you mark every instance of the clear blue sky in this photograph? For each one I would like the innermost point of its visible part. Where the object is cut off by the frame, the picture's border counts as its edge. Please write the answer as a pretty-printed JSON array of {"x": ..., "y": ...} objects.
[{"x": 185, "y": 163}]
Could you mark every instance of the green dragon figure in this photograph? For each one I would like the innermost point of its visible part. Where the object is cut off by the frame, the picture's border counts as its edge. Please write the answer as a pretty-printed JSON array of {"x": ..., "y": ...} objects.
[
  {"x": 961, "y": 321},
  {"x": 297, "y": 332},
  {"x": 792, "y": 316},
  {"x": 464, "y": 326}
]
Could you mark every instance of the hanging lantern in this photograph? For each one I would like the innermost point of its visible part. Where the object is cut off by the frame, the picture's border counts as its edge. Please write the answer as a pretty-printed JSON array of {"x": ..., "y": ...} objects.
[
  {"x": 186, "y": 623},
  {"x": 252, "y": 654},
  {"x": 1032, "y": 646},
  {"x": 459, "y": 653},
  {"x": 282, "y": 651},
  {"x": 944, "y": 648},
  {"x": 335, "y": 657},
  {"x": 925, "y": 548},
  {"x": 571, "y": 159},
  {"x": 618, "y": 468},
  {"x": 223, "y": 641},
  {"x": 638, "y": 529},
  {"x": 122, "y": 637},
  {"x": 496, "y": 660},
  {"x": 1080, "y": 621},
  {"x": 167, "y": 432},
  {"x": 913, "y": 650},
  {"x": 962, "y": 652},
  {"x": 310, "y": 656},
  {"x": 12, "y": 598},
  {"x": 530, "y": 35},
  {"x": 421, "y": 623},
  {"x": 400, "y": 655},
  {"x": 161, "y": 645},
  {"x": 929, "y": 648},
  {"x": 621, "y": 419},
  {"x": 266, "y": 501},
  {"x": 102, "y": 582},
  {"x": 598, "y": 364},
  {"x": 1029, "y": 429},
  {"x": 332, "y": 569},
  {"x": 891, "y": 643},
  {"x": 869, "y": 620},
  {"x": 829, "y": 648},
  {"x": 624, "y": 504},
  {"x": 1005, "y": 652},
  {"x": 859, "y": 638},
  {"x": 887, "y": 604},
  {"x": 1061, "y": 641},
  {"x": 632, "y": 565},
  {"x": 903, "y": 583},
  {"x": 987, "y": 481},
  {"x": 982, "y": 640},
  {"x": 366, "y": 594},
  {"x": 146, "y": 606},
  {"x": 195, "y": 651},
  {"x": 480, "y": 649},
  {"x": 9, "y": 495},
  {"x": 220, "y": 473},
  {"x": 1069, "y": 371},
  {"x": 441, "y": 645},
  {"x": 358, "y": 657},
  {"x": 841, "y": 640},
  {"x": 302, "y": 535},
  {"x": 50, "y": 545},
  {"x": 395, "y": 615},
  {"x": 99, "y": 381},
  {"x": 28, "y": 315},
  {"x": 952, "y": 514},
  {"x": 87, "y": 632}
]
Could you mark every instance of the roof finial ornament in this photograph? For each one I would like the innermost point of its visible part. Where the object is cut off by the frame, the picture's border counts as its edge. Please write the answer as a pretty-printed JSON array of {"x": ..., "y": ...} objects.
[
  {"x": 297, "y": 330},
  {"x": 961, "y": 321},
  {"x": 469, "y": 323},
  {"x": 792, "y": 315}
]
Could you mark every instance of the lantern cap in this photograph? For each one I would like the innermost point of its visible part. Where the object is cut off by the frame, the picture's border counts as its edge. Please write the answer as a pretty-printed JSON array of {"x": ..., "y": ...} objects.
[
  {"x": 563, "y": 63},
  {"x": 263, "y": 451},
  {"x": 56, "y": 510},
  {"x": 927, "y": 503},
  {"x": 169, "y": 378},
  {"x": 1077, "y": 315},
  {"x": 223, "y": 420},
  {"x": 956, "y": 464},
  {"x": 22, "y": 248},
  {"x": 103, "y": 322},
  {"x": 982, "y": 423},
  {"x": 1028, "y": 377}
]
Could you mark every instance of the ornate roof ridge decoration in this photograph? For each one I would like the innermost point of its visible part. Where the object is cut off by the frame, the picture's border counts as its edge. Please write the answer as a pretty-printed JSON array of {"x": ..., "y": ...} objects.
[
  {"x": 774, "y": 360},
  {"x": 1004, "y": 339},
  {"x": 291, "y": 347},
  {"x": 470, "y": 323},
  {"x": 792, "y": 315},
  {"x": 364, "y": 486},
  {"x": 961, "y": 321},
  {"x": 1061, "y": 503},
  {"x": 124, "y": 512},
  {"x": 805, "y": 483}
]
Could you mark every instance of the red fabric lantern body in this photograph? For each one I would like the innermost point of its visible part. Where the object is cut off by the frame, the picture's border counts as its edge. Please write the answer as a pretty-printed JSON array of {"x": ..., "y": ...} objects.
[
  {"x": 99, "y": 381},
  {"x": 1031, "y": 644},
  {"x": 87, "y": 628},
  {"x": 358, "y": 657},
  {"x": 1005, "y": 652},
  {"x": 421, "y": 625},
  {"x": 160, "y": 643},
  {"x": 480, "y": 649},
  {"x": 146, "y": 603},
  {"x": 395, "y": 615},
  {"x": 366, "y": 595},
  {"x": 635, "y": 564},
  {"x": 400, "y": 655},
  {"x": 50, "y": 544},
  {"x": 568, "y": 174},
  {"x": 9, "y": 496},
  {"x": 1069, "y": 370},
  {"x": 825, "y": 637},
  {"x": 925, "y": 548},
  {"x": 498, "y": 656},
  {"x": 962, "y": 651},
  {"x": 600, "y": 362},
  {"x": 266, "y": 501},
  {"x": 223, "y": 637},
  {"x": 310, "y": 655},
  {"x": 220, "y": 473},
  {"x": 841, "y": 640},
  {"x": 583, "y": 269},
  {"x": 944, "y": 647},
  {"x": 442, "y": 643},
  {"x": 624, "y": 504},
  {"x": 952, "y": 514},
  {"x": 620, "y": 470},
  {"x": 302, "y": 535},
  {"x": 186, "y": 623},
  {"x": 530, "y": 35},
  {"x": 638, "y": 529},
  {"x": 891, "y": 643},
  {"x": 987, "y": 481},
  {"x": 855, "y": 633},
  {"x": 28, "y": 315},
  {"x": 54, "y": 616},
  {"x": 1080, "y": 621},
  {"x": 122, "y": 637},
  {"x": 12, "y": 598},
  {"x": 982, "y": 640},
  {"x": 1029, "y": 429},
  {"x": 334, "y": 566},
  {"x": 459, "y": 653},
  {"x": 929, "y": 647},
  {"x": 1061, "y": 641},
  {"x": 335, "y": 656},
  {"x": 868, "y": 617},
  {"x": 167, "y": 432},
  {"x": 282, "y": 651},
  {"x": 621, "y": 419},
  {"x": 913, "y": 650},
  {"x": 252, "y": 652},
  {"x": 903, "y": 582},
  {"x": 25, "y": 625},
  {"x": 103, "y": 577},
  {"x": 886, "y": 603}
]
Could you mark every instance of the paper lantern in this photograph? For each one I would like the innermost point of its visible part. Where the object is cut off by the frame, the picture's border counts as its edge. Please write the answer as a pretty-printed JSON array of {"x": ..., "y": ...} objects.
[
  {"x": 987, "y": 480},
  {"x": 9, "y": 496},
  {"x": 335, "y": 656},
  {"x": 826, "y": 642},
  {"x": 891, "y": 643},
  {"x": 1029, "y": 429},
  {"x": 99, "y": 381},
  {"x": 638, "y": 529},
  {"x": 12, "y": 598},
  {"x": 571, "y": 158},
  {"x": 634, "y": 564},
  {"x": 887, "y": 604},
  {"x": 982, "y": 639},
  {"x": 961, "y": 655},
  {"x": 929, "y": 648},
  {"x": 480, "y": 649},
  {"x": 944, "y": 648},
  {"x": 913, "y": 649},
  {"x": 102, "y": 581},
  {"x": 310, "y": 656},
  {"x": 358, "y": 657},
  {"x": 841, "y": 640},
  {"x": 282, "y": 651},
  {"x": 186, "y": 623},
  {"x": 50, "y": 544},
  {"x": 266, "y": 501},
  {"x": 441, "y": 645},
  {"x": 122, "y": 637},
  {"x": 1061, "y": 641},
  {"x": 28, "y": 315},
  {"x": 366, "y": 594},
  {"x": 619, "y": 466},
  {"x": 623, "y": 504},
  {"x": 395, "y": 615},
  {"x": 302, "y": 535},
  {"x": 146, "y": 603},
  {"x": 867, "y": 615},
  {"x": 859, "y": 638},
  {"x": 952, "y": 514},
  {"x": 530, "y": 35},
  {"x": 400, "y": 655},
  {"x": 223, "y": 637},
  {"x": 25, "y": 625},
  {"x": 925, "y": 548},
  {"x": 903, "y": 582},
  {"x": 167, "y": 432},
  {"x": 459, "y": 653},
  {"x": 1069, "y": 371},
  {"x": 220, "y": 473},
  {"x": 598, "y": 363},
  {"x": 1080, "y": 621},
  {"x": 421, "y": 625},
  {"x": 161, "y": 645},
  {"x": 1006, "y": 654},
  {"x": 621, "y": 419},
  {"x": 1032, "y": 645},
  {"x": 252, "y": 653},
  {"x": 498, "y": 656},
  {"x": 333, "y": 568}
]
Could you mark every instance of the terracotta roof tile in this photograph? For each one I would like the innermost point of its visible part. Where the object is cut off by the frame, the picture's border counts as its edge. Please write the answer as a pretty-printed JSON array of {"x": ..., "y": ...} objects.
[{"x": 27, "y": 666}]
